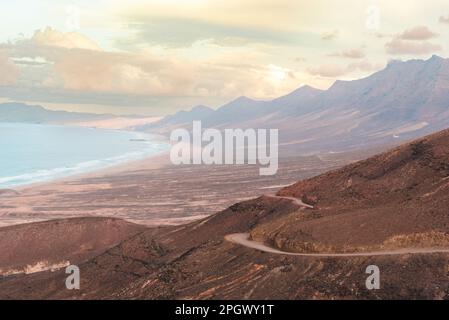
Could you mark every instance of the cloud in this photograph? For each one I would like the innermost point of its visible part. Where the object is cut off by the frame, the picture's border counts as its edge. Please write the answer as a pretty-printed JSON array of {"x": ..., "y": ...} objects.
[
  {"x": 417, "y": 34},
  {"x": 171, "y": 32},
  {"x": 413, "y": 41},
  {"x": 351, "y": 54},
  {"x": 9, "y": 72},
  {"x": 444, "y": 19},
  {"x": 264, "y": 15},
  {"x": 138, "y": 74},
  {"x": 364, "y": 66},
  {"x": 330, "y": 35},
  {"x": 328, "y": 71},
  {"x": 27, "y": 61},
  {"x": 398, "y": 47},
  {"x": 68, "y": 40},
  {"x": 72, "y": 62},
  {"x": 336, "y": 71}
]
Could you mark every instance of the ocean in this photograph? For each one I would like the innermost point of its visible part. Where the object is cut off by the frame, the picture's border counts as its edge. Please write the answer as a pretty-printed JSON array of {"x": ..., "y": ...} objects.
[{"x": 32, "y": 153}]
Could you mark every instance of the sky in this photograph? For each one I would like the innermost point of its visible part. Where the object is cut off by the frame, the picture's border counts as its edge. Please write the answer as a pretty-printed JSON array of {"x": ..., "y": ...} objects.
[{"x": 155, "y": 57}]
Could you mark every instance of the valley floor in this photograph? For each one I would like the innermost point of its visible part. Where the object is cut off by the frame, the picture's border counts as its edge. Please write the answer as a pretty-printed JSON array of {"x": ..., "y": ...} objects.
[{"x": 153, "y": 192}]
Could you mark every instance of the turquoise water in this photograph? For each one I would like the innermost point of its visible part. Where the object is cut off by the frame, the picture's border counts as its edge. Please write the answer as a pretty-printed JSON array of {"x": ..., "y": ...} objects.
[{"x": 35, "y": 153}]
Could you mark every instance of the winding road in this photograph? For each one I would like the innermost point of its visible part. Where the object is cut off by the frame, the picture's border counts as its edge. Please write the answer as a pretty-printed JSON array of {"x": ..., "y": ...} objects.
[{"x": 243, "y": 239}]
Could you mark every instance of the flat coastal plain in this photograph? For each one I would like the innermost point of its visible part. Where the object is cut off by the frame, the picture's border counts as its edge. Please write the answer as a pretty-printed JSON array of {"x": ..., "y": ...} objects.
[{"x": 154, "y": 192}]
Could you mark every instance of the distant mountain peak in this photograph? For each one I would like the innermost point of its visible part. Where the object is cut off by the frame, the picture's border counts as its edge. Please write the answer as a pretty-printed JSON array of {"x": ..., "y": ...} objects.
[
  {"x": 21, "y": 112},
  {"x": 201, "y": 108},
  {"x": 337, "y": 84},
  {"x": 433, "y": 58},
  {"x": 404, "y": 100},
  {"x": 242, "y": 99},
  {"x": 238, "y": 102},
  {"x": 302, "y": 92},
  {"x": 394, "y": 62},
  {"x": 307, "y": 88},
  {"x": 436, "y": 57}
]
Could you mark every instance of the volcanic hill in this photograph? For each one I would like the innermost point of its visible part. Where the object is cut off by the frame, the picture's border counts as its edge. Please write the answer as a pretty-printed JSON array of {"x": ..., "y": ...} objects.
[{"x": 391, "y": 204}]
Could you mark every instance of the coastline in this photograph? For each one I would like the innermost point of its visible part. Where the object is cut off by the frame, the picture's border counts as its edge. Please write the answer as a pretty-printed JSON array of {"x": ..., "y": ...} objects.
[
  {"x": 44, "y": 193},
  {"x": 151, "y": 162},
  {"x": 151, "y": 191},
  {"x": 100, "y": 166},
  {"x": 49, "y": 199}
]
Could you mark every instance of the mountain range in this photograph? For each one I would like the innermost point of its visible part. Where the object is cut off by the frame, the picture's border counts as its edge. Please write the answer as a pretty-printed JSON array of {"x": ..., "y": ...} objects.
[
  {"x": 20, "y": 112},
  {"x": 405, "y": 100}
]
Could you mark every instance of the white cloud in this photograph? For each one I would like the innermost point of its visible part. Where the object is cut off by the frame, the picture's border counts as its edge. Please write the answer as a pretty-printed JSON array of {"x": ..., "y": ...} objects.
[{"x": 68, "y": 40}]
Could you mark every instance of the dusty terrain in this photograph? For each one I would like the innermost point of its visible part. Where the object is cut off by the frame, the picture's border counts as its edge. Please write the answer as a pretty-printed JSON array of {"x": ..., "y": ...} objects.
[
  {"x": 152, "y": 192},
  {"x": 397, "y": 200},
  {"x": 33, "y": 247}
]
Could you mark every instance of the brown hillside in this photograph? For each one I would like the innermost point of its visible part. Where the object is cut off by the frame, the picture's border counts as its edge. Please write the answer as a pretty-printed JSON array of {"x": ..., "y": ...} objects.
[
  {"x": 391, "y": 199},
  {"x": 398, "y": 199},
  {"x": 41, "y": 245}
]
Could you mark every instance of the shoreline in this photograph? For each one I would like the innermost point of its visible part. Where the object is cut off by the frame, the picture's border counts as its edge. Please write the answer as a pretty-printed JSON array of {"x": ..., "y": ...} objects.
[
  {"x": 151, "y": 191},
  {"x": 79, "y": 183},
  {"x": 158, "y": 161}
]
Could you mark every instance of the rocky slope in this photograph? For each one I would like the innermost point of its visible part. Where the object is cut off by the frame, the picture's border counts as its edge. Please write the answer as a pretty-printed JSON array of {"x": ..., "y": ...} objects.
[
  {"x": 398, "y": 199},
  {"x": 32, "y": 247}
]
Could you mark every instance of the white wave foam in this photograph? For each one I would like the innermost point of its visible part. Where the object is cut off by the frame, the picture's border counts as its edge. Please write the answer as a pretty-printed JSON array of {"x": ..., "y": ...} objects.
[{"x": 86, "y": 166}]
